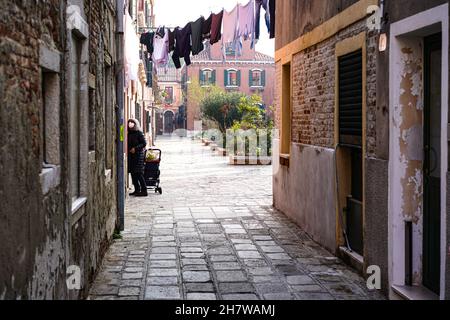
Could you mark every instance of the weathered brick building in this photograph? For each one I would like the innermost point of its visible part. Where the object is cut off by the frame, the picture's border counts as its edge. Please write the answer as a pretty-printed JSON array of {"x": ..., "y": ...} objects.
[
  {"x": 362, "y": 108},
  {"x": 58, "y": 169}
]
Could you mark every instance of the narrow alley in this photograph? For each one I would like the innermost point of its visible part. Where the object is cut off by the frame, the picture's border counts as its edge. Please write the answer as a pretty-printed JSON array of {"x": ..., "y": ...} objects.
[
  {"x": 218, "y": 238},
  {"x": 305, "y": 150}
]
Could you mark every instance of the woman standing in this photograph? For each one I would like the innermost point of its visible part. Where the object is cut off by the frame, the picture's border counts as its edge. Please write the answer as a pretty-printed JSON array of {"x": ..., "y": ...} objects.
[{"x": 136, "y": 158}]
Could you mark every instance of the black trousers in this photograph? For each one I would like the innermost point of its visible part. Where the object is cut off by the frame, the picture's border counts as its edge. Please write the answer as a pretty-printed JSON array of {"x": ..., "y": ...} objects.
[{"x": 138, "y": 182}]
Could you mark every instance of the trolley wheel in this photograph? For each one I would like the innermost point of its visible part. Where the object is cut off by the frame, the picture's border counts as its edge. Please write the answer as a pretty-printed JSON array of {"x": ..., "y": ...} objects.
[{"x": 159, "y": 190}]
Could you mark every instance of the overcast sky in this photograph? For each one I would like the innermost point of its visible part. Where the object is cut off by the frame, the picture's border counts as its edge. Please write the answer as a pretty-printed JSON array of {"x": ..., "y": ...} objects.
[{"x": 174, "y": 13}]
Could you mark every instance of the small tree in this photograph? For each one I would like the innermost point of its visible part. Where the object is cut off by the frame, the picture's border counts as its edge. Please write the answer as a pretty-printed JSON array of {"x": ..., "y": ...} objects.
[
  {"x": 253, "y": 118},
  {"x": 196, "y": 93},
  {"x": 222, "y": 108}
]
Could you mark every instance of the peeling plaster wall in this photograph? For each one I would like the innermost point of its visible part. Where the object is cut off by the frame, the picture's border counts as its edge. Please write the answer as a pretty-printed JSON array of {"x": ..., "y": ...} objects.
[
  {"x": 405, "y": 51},
  {"x": 407, "y": 152}
]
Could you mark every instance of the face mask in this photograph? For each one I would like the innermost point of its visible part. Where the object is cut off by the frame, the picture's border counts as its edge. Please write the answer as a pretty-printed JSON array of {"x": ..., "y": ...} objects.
[{"x": 131, "y": 125}]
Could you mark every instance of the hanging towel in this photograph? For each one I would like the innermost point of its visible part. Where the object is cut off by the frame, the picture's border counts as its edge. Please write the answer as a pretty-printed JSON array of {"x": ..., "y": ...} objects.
[
  {"x": 265, "y": 5},
  {"x": 197, "y": 36},
  {"x": 230, "y": 25},
  {"x": 206, "y": 28},
  {"x": 216, "y": 27},
  {"x": 272, "y": 7},
  {"x": 246, "y": 22},
  {"x": 182, "y": 46},
  {"x": 161, "y": 49}
]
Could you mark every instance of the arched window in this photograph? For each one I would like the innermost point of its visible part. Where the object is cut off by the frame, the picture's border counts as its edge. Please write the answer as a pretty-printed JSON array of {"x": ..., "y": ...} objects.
[
  {"x": 232, "y": 78},
  {"x": 207, "y": 77},
  {"x": 257, "y": 78}
]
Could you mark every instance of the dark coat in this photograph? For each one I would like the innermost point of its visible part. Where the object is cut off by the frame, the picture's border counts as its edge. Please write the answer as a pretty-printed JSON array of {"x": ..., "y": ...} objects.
[{"x": 136, "y": 161}]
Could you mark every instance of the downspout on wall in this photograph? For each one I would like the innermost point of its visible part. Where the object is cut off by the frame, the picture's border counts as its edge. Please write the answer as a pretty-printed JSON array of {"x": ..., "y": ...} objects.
[{"x": 120, "y": 114}]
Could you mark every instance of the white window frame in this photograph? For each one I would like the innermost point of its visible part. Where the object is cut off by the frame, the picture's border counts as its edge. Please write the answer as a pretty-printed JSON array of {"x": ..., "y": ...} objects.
[
  {"x": 50, "y": 176},
  {"x": 78, "y": 30},
  {"x": 260, "y": 78},
  {"x": 229, "y": 85},
  {"x": 208, "y": 82}
]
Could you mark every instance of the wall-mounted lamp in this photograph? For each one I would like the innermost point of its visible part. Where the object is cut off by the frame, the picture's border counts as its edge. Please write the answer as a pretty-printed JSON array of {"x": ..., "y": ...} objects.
[{"x": 382, "y": 42}]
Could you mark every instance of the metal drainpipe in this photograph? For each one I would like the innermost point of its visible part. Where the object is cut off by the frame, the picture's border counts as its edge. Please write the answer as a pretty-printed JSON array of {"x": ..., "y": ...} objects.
[{"x": 120, "y": 114}]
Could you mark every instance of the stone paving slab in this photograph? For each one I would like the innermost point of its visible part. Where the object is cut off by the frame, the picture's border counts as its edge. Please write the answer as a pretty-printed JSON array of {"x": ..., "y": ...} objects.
[{"x": 213, "y": 234}]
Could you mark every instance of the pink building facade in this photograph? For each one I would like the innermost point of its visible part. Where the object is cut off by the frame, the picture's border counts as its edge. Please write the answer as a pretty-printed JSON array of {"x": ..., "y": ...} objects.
[{"x": 251, "y": 72}]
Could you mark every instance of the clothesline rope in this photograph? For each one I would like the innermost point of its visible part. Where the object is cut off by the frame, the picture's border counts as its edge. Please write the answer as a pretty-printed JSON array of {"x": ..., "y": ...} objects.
[{"x": 230, "y": 27}]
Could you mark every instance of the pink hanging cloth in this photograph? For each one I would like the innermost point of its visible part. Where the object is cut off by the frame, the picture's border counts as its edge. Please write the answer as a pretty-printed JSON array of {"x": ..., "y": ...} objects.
[
  {"x": 161, "y": 49},
  {"x": 246, "y": 21},
  {"x": 230, "y": 23}
]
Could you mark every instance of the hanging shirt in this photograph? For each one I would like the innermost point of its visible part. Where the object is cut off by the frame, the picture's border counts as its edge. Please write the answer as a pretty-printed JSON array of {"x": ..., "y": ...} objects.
[
  {"x": 197, "y": 36},
  {"x": 147, "y": 40},
  {"x": 206, "y": 28},
  {"x": 216, "y": 27},
  {"x": 161, "y": 32},
  {"x": 246, "y": 22},
  {"x": 230, "y": 25},
  {"x": 265, "y": 5},
  {"x": 161, "y": 49},
  {"x": 182, "y": 46},
  {"x": 171, "y": 40},
  {"x": 272, "y": 6}
]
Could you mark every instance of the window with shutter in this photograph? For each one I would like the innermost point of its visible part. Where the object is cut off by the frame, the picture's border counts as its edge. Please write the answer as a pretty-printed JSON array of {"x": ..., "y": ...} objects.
[
  {"x": 213, "y": 78},
  {"x": 207, "y": 77},
  {"x": 256, "y": 78},
  {"x": 200, "y": 77},
  {"x": 250, "y": 78},
  {"x": 350, "y": 99},
  {"x": 232, "y": 78}
]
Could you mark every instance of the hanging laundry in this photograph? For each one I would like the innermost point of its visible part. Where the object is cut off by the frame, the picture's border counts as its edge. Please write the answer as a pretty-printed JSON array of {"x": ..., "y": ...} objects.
[
  {"x": 147, "y": 40},
  {"x": 182, "y": 46},
  {"x": 265, "y": 5},
  {"x": 171, "y": 40},
  {"x": 216, "y": 27},
  {"x": 206, "y": 28},
  {"x": 230, "y": 25},
  {"x": 131, "y": 53},
  {"x": 161, "y": 32},
  {"x": 272, "y": 7},
  {"x": 197, "y": 36},
  {"x": 246, "y": 22},
  {"x": 161, "y": 48}
]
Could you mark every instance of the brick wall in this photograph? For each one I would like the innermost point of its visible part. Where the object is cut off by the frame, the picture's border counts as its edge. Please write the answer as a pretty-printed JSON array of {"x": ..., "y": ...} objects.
[
  {"x": 33, "y": 238},
  {"x": 39, "y": 236},
  {"x": 313, "y": 95}
]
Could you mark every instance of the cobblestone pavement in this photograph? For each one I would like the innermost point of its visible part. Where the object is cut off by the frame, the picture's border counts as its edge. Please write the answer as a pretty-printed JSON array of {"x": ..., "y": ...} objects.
[{"x": 213, "y": 234}]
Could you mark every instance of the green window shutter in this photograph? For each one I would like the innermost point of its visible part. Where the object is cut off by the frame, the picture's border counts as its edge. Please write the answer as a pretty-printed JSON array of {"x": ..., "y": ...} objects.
[
  {"x": 250, "y": 78},
  {"x": 263, "y": 78},
  {"x": 213, "y": 77},
  {"x": 239, "y": 78},
  {"x": 225, "y": 77},
  {"x": 200, "y": 76}
]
